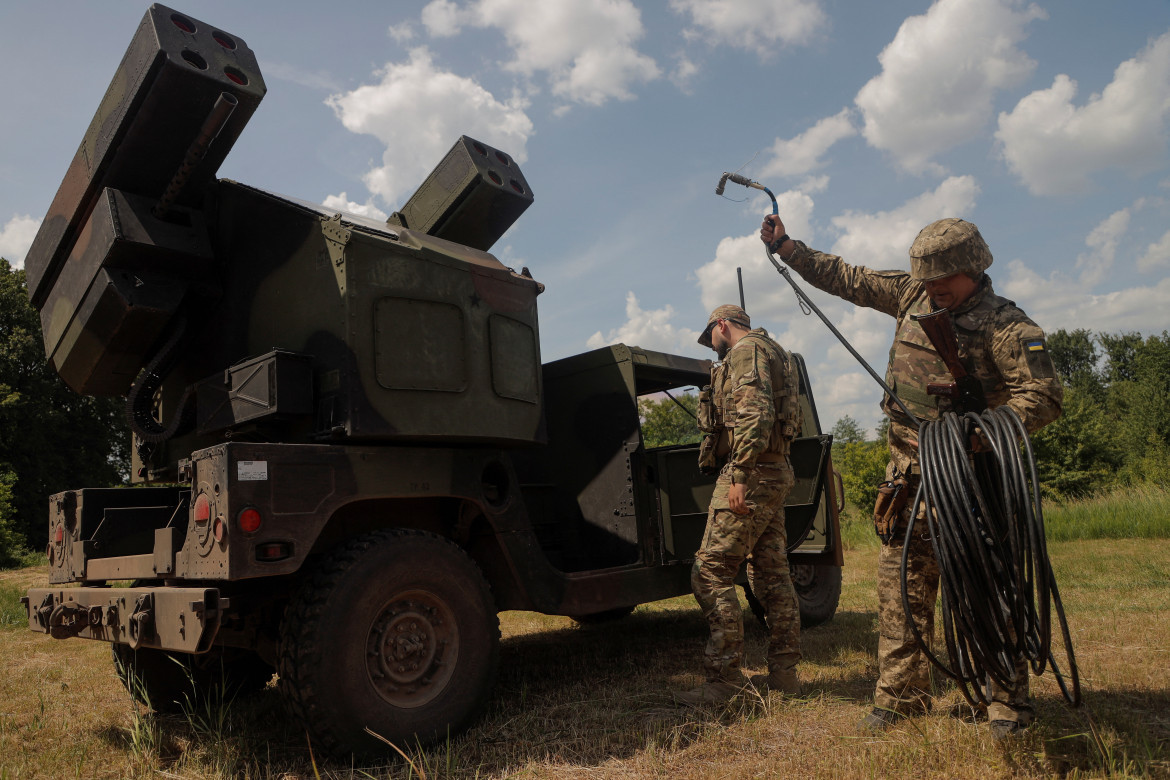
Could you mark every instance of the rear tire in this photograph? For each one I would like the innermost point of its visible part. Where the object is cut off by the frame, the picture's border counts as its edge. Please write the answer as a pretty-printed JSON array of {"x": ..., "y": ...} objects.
[
  {"x": 818, "y": 589},
  {"x": 396, "y": 632}
]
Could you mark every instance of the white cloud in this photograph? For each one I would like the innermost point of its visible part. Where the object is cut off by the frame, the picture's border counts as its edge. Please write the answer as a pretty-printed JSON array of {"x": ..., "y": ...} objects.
[
  {"x": 939, "y": 76},
  {"x": 1062, "y": 301},
  {"x": 1055, "y": 147},
  {"x": 882, "y": 240},
  {"x": 756, "y": 25},
  {"x": 401, "y": 33},
  {"x": 1157, "y": 254},
  {"x": 443, "y": 18},
  {"x": 1094, "y": 265},
  {"x": 16, "y": 237},
  {"x": 586, "y": 48},
  {"x": 342, "y": 202},
  {"x": 684, "y": 72},
  {"x": 803, "y": 153},
  {"x": 450, "y": 105},
  {"x": 647, "y": 329}
]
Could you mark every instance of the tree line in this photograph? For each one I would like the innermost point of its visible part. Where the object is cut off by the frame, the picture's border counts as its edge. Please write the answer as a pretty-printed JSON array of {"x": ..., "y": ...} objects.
[
  {"x": 51, "y": 438},
  {"x": 1114, "y": 431}
]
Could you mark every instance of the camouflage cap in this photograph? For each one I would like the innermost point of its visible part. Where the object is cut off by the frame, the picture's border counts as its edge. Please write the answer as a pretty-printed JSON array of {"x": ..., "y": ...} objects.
[
  {"x": 948, "y": 246},
  {"x": 728, "y": 311}
]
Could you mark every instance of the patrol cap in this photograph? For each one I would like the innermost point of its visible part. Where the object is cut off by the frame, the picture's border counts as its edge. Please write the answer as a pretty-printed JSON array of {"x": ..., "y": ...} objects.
[
  {"x": 948, "y": 246},
  {"x": 728, "y": 311}
]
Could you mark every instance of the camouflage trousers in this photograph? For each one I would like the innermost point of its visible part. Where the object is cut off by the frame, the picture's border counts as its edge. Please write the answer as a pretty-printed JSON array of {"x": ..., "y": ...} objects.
[
  {"x": 757, "y": 537},
  {"x": 904, "y": 672}
]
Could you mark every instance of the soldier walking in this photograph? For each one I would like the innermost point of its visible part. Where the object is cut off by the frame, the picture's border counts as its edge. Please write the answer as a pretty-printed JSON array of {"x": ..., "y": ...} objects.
[
  {"x": 750, "y": 417},
  {"x": 1000, "y": 347}
]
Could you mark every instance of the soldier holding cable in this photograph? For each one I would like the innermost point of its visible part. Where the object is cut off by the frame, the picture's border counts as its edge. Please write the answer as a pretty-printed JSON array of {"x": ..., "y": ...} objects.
[{"x": 999, "y": 346}]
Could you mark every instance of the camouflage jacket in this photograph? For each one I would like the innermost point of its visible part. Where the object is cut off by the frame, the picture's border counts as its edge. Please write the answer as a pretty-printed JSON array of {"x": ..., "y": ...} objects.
[
  {"x": 998, "y": 345},
  {"x": 755, "y": 395}
]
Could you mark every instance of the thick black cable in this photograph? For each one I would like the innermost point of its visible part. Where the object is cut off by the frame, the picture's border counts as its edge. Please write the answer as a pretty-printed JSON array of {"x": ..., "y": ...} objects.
[{"x": 985, "y": 525}]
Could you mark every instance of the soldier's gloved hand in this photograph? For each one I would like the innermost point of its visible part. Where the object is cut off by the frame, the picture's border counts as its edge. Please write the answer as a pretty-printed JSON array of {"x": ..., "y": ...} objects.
[
  {"x": 737, "y": 498},
  {"x": 771, "y": 230}
]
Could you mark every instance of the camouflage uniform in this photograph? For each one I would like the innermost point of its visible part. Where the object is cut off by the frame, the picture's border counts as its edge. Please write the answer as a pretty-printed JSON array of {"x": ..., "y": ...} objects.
[
  {"x": 756, "y": 411},
  {"x": 1006, "y": 352}
]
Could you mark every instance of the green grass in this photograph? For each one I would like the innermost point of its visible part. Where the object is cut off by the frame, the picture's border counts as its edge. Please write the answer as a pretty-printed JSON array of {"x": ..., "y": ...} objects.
[
  {"x": 12, "y": 612},
  {"x": 1141, "y": 512},
  {"x": 1134, "y": 513}
]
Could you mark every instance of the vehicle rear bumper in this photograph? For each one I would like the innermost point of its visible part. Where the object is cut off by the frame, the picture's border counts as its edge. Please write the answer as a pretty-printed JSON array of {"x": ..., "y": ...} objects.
[{"x": 178, "y": 619}]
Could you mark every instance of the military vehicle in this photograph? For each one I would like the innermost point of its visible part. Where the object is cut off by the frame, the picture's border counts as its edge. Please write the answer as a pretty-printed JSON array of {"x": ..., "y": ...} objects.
[{"x": 348, "y": 457}]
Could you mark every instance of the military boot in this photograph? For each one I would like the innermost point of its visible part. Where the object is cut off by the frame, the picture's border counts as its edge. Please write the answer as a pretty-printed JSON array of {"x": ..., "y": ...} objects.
[
  {"x": 718, "y": 691},
  {"x": 782, "y": 681}
]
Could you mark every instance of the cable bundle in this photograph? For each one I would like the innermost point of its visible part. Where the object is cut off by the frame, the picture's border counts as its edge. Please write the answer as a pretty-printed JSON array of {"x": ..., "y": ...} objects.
[{"x": 987, "y": 530}]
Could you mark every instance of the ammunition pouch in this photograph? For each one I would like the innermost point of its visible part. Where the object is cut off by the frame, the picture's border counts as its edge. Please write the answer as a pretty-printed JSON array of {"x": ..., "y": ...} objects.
[
  {"x": 709, "y": 462},
  {"x": 705, "y": 416},
  {"x": 887, "y": 511}
]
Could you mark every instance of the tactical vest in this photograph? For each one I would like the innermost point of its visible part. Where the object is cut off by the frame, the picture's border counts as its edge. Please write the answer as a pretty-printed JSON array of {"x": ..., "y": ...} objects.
[
  {"x": 914, "y": 364},
  {"x": 717, "y": 413}
]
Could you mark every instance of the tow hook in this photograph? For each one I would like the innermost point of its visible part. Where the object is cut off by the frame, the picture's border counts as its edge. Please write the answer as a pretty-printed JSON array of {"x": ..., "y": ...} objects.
[
  {"x": 66, "y": 621},
  {"x": 141, "y": 621}
]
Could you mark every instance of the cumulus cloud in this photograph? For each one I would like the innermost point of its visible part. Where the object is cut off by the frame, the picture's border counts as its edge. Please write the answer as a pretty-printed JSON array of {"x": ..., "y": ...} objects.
[
  {"x": 342, "y": 202},
  {"x": 1156, "y": 255},
  {"x": 586, "y": 48},
  {"x": 1055, "y": 146},
  {"x": 804, "y": 153},
  {"x": 882, "y": 239},
  {"x": 1102, "y": 242},
  {"x": 684, "y": 72},
  {"x": 940, "y": 75},
  {"x": 1062, "y": 301},
  {"x": 755, "y": 25},
  {"x": 1072, "y": 299},
  {"x": 651, "y": 329},
  {"x": 16, "y": 237},
  {"x": 452, "y": 105}
]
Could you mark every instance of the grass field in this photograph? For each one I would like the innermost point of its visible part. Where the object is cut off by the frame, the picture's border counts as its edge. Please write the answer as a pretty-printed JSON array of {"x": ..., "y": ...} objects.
[{"x": 594, "y": 703}]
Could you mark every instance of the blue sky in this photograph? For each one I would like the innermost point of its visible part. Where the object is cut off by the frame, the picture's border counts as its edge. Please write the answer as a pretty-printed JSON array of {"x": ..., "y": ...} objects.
[{"x": 1044, "y": 123}]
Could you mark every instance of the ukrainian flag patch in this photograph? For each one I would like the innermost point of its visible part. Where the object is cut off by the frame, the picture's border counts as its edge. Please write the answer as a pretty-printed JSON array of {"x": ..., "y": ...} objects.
[{"x": 1034, "y": 345}]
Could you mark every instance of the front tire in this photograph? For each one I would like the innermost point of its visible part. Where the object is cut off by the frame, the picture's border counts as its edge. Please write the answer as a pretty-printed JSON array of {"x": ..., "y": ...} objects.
[{"x": 395, "y": 632}]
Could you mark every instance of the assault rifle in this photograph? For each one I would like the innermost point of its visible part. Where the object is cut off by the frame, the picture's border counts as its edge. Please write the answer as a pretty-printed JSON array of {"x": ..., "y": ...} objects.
[{"x": 966, "y": 393}]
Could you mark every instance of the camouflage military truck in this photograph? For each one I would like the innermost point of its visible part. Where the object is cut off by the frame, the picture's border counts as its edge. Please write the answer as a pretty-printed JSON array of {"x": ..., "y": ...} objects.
[{"x": 348, "y": 455}]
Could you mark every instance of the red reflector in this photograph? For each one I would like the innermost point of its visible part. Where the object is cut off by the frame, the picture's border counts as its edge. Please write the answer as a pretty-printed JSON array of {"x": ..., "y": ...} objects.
[
  {"x": 202, "y": 509},
  {"x": 272, "y": 551},
  {"x": 60, "y": 535},
  {"x": 249, "y": 521},
  {"x": 219, "y": 529}
]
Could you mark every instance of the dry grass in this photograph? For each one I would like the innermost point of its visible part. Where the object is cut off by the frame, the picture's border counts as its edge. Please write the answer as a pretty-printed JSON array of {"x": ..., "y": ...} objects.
[{"x": 595, "y": 703}]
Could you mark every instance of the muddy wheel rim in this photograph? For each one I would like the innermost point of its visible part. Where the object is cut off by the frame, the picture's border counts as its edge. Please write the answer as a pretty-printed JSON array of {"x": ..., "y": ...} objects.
[{"x": 412, "y": 649}]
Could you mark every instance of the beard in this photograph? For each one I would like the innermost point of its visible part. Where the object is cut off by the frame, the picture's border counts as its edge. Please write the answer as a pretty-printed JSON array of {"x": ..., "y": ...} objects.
[{"x": 721, "y": 349}]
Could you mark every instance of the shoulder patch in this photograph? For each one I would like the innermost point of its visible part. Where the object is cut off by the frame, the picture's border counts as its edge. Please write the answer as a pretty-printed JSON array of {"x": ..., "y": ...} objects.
[{"x": 1033, "y": 345}]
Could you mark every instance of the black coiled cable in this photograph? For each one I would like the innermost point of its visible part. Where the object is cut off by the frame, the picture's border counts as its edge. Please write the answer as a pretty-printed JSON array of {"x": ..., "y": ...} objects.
[{"x": 987, "y": 530}]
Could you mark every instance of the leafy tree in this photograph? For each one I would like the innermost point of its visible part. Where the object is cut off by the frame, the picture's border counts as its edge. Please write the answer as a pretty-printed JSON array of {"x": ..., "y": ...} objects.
[
  {"x": 1075, "y": 357},
  {"x": 664, "y": 422},
  {"x": 51, "y": 438},
  {"x": 1120, "y": 351},
  {"x": 862, "y": 463},
  {"x": 863, "y": 467},
  {"x": 847, "y": 431},
  {"x": 12, "y": 546},
  {"x": 1076, "y": 455}
]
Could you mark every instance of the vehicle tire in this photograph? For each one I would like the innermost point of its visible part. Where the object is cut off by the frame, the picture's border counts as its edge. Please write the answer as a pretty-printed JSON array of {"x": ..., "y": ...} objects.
[
  {"x": 606, "y": 616},
  {"x": 173, "y": 681},
  {"x": 395, "y": 633},
  {"x": 818, "y": 589}
]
